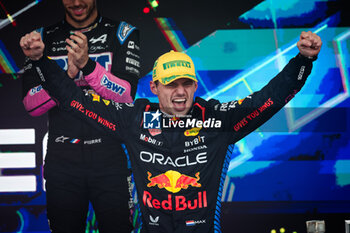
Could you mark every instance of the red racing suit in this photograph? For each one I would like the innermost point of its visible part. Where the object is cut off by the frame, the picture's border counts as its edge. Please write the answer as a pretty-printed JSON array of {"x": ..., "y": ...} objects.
[
  {"x": 179, "y": 168},
  {"x": 80, "y": 159}
]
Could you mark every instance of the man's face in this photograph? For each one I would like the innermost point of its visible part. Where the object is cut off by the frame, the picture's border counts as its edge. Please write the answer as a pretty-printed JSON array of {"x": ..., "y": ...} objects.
[
  {"x": 176, "y": 98},
  {"x": 80, "y": 11}
]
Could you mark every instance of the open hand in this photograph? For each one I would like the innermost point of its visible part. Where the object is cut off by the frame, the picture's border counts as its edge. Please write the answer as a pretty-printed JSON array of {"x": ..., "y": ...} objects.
[
  {"x": 78, "y": 49},
  {"x": 72, "y": 70}
]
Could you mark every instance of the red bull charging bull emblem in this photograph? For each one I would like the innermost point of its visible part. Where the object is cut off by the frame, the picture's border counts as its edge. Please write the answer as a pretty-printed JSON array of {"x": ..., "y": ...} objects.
[{"x": 173, "y": 181}]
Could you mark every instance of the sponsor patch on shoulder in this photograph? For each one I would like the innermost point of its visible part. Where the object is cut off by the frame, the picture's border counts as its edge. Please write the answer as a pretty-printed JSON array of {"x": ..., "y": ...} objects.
[{"x": 124, "y": 30}]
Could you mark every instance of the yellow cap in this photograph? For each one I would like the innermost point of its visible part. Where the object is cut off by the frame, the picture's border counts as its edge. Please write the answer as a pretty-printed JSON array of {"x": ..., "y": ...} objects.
[{"x": 172, "y": 66}]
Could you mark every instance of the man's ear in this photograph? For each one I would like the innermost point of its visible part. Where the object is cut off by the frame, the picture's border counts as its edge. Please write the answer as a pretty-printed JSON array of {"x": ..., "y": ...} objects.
[{"x": 153, "y": 87}]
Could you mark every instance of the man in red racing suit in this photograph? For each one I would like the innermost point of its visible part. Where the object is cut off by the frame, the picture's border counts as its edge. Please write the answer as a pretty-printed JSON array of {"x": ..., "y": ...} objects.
[{"x": 178, "y": 147}]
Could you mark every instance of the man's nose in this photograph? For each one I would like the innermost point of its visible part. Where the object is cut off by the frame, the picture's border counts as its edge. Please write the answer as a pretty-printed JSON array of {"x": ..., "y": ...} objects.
[
  {"x": 76, "y": 2},
  {"x": 180, "y": 90}
]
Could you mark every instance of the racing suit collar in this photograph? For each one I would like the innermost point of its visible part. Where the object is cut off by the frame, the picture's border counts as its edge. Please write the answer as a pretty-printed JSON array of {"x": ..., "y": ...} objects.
[{"x": 198, "y": 109}]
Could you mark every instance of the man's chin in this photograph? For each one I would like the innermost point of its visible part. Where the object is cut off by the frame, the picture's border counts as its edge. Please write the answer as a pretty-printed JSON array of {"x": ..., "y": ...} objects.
[{"x": 78, "y": 19}]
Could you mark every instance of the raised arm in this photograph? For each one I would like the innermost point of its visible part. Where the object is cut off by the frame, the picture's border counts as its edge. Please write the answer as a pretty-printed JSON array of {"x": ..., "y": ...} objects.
[
  {"x": 99, "y": 112},
  {"x": 35, "y": 99},
  {"x": 244, "y": 116}
]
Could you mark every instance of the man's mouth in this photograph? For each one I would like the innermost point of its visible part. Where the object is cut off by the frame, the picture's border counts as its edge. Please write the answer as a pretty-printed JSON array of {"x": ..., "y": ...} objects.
[
  {"x": 78, "y": 10},
  {"x": 179, "y": 101},
  {"x": 179, "y": 104}
]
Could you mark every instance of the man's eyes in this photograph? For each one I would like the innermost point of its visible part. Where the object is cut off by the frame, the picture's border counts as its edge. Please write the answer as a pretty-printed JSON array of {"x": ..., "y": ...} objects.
[
  {"x": 189, "y": 83},
  {"x": 171, "y": 85},
  {"x": 185, "y": 84}
]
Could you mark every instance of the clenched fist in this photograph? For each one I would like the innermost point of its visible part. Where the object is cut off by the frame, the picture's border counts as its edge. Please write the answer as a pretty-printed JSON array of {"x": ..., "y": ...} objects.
[
  {"x": 309, "y": 44},
  {"x": 32, "y": 45}
]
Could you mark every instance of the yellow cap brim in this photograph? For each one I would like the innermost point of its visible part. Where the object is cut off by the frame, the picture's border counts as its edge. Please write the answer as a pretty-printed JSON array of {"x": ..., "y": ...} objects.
[{"x": 167, "y": 80}]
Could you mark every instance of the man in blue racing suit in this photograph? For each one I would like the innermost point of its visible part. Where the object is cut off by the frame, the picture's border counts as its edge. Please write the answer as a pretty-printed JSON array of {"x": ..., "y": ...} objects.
[{"x": 177, "y": 147}]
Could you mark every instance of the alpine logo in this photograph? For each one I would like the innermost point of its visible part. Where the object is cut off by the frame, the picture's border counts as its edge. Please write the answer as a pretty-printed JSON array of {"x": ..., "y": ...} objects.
[{"x": 102, "y": 38}]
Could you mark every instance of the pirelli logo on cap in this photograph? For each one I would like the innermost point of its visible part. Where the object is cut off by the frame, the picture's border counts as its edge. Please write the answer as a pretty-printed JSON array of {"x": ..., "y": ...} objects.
[{"x": 177, "y": 63}]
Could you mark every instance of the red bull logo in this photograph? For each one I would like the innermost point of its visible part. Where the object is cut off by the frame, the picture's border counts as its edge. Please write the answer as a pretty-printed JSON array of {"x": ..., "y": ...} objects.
[
  {"x": 184, "y": 181},
  {"x": 181, "y": 203},
  {"x": 161, "y": 181},
  {"x": 173, "y": 181}
]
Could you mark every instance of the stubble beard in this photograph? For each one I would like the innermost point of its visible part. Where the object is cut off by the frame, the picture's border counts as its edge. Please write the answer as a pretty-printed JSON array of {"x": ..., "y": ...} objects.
[{"x": 88, "y": 15}]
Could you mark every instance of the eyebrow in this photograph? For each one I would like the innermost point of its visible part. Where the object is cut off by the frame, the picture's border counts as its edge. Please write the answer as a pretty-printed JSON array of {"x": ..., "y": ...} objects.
[{"x": 188, "y": 82}]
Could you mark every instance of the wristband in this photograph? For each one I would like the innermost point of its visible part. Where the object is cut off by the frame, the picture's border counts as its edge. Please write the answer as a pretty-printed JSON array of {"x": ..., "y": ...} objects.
[
  {"x": 89, "y": 67},
  {"x": 309, "y": 58}
]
